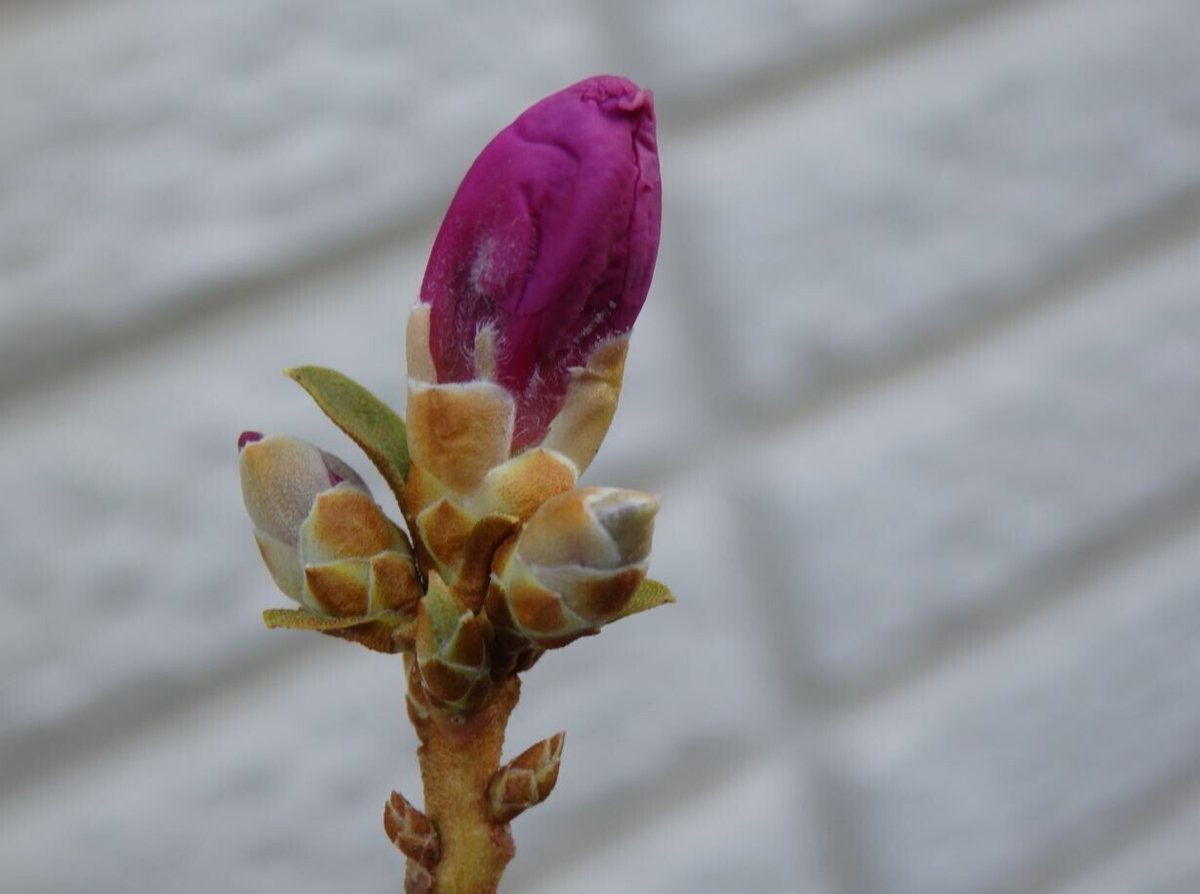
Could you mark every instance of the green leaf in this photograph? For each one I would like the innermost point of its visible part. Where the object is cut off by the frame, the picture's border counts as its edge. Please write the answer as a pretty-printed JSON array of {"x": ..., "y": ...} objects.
[
  {"x": 370, "y": 423},
  {"x": 388, "y": 632},
  {"x": 651, "y": 594},
  {"x": 299, "y": 619}
]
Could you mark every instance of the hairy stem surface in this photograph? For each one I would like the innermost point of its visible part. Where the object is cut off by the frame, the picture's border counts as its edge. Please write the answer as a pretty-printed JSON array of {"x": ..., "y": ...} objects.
[{"x": 459, "y": 754}]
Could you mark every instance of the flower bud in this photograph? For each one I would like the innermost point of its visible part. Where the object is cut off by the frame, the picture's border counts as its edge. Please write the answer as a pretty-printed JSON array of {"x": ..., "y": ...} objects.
[
  {"x": 545, "y": 254},
  {"x": 572, "y": 569},
  {"x": 326, "y": 542}
]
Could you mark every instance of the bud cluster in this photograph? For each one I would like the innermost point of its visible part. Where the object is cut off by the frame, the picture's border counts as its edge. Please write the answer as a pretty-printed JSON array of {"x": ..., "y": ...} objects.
[{"x": 516, "y": 352}]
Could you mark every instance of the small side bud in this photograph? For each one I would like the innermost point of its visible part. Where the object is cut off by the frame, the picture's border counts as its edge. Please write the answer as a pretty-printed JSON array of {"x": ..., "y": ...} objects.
[
  {"x": 452, "y": 653},
  {"x": 328, "y": 544},
  {"x": 411, "y": 831},
  {"x": 527, "y": 780},
  {"x": 573, "y": 568}
]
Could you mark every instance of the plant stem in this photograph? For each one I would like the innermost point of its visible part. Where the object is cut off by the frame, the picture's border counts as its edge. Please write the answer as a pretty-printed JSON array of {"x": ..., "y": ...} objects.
[{"x": 459, "y": 754}]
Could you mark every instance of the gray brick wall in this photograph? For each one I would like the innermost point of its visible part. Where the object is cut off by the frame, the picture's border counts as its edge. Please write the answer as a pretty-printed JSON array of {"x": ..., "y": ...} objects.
[{"x": 918, "y": 381}]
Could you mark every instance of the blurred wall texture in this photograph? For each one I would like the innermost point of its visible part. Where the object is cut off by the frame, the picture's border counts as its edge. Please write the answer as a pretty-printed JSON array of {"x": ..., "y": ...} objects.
[{"x": 919, "y": 380}]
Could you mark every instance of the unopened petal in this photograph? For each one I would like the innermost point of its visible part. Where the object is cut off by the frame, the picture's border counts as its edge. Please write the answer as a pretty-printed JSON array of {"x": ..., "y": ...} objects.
[{"x": 549, "y": 244}]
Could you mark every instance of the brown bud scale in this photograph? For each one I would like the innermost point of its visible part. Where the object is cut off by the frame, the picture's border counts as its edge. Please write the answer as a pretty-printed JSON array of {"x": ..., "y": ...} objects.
[
  {"x": 526, "y": 780},
  {"x": 411, "y": 831}
]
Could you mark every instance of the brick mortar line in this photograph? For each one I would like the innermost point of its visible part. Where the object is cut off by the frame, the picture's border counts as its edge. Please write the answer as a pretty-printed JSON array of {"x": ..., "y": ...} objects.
[
  {"x": 858, "y": 51},
  {"x": 210, "y": 301},
  {"x": 1061, "y": 864},
  {"x": 1127, "y": 243},
  {"x": 1168, "y": 515},
  {"x": 843, "y": 851},
  {"x": 119, "y": 715},
  {"x": 1173, "y": 798},
  {"x": 1043, "y": 587},
  {"x": 674, "y": 793},
  {"x": 808, "y": 731}
]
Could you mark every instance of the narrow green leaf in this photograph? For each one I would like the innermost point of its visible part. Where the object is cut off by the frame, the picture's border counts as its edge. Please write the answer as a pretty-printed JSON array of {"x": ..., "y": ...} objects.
[
  {"x": 299, "y": 619},
  {"x": 369, "y": 422},
  {"x": 388, "y": 632},
  {"x": 651, "y": 594}
]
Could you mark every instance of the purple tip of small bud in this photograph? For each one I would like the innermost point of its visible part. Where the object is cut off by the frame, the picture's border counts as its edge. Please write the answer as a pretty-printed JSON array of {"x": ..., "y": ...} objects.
[
  {"x": 248, "y": 437},
  {"x": 550, "y": 242}
]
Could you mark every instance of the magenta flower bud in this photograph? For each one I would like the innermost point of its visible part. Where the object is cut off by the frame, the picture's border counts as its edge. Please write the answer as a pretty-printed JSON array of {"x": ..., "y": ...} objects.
[{"x": 548, "y": 246}]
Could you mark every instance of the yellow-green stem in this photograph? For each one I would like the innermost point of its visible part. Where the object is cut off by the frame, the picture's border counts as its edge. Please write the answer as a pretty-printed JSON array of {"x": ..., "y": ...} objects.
[{"x": 459, "y": 754}]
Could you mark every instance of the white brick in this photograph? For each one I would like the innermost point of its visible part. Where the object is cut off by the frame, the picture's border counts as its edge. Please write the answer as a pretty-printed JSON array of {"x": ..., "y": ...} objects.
[
  {"x": 1037, "y": 753},
  {"x": 154, "y": 153},
  {"x": 956, "y": 496},
  {"x": 841, "y": 232}
]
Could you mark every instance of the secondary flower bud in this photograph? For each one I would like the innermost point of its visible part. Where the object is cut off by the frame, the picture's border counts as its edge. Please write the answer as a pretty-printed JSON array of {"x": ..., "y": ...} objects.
[
  {"x": 281, "y": 477},
  {"x": 326, "y": 542},
  {"x": 573, "y": 568},
  {"x": 547, "y": 249}
]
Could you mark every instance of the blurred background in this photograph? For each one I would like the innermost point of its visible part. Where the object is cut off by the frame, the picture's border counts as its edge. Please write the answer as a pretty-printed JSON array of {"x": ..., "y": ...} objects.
[{"x": 919, "y": 380}]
